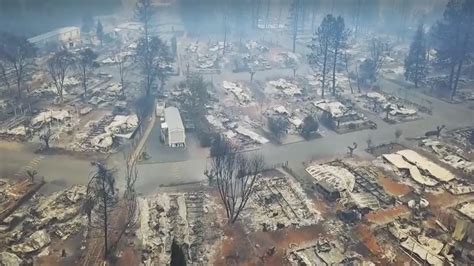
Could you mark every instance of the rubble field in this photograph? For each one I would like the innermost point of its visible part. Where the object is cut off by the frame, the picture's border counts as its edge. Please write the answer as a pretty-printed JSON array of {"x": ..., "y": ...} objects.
[
  {"x": 342, "y": 117},
  {"x": 43, "y": 222},
  {"x": 391, "y": 109},
  {"x": 278, "y": 202},
  {"x": 184, "y": 221}
]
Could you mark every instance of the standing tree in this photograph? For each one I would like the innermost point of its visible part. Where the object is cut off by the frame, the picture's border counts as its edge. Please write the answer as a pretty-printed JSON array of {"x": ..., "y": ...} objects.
[
  {"x": 195, "y": 101},
  {"x": 252, "y": 73},
  {"x": 16, "y": 54},
  {"x": 143, "y": 13},
  {"x": 32, "y": 175},
  {"x": 278, "y": 126},
  {"x": 416, "y": 61},
  {"x": 234, "y": 174},
  {"x": 197, "y": 97},
  {"x": 356, "y": 16},
  {"x": 122, "y": 61},
  {"x": 58, "y": 67},
  {"x": 379, "y": 50},
  {"x": 86, "y": 62},
  {"x": 255, "y": 13},
  {"x": 387, "y": 110},
  {"x": 351, "y": 149},
  {"x": 452, "y": 36},
  {"x": 369, "y": 69},
  {"x": 87, "y": 23},
  {"x": 100, "y": 32},
  {"x": 174, "y": 46},
  {"x": 310, "y": 126},
  {"x": 436, "y": 132},
  {"x": 339, "y": 41},
  {"x": 267, "y": 16},
  {"x": 130, "y": 195},
  {"x": 369, "y": 142},
  {"x": 4, "y": 77},
  {"x": 349, "y": 75},
  {"x": 154, "y": 58},
  {"x": 292, "y": 62},
  {"x": 398, "y": 134},
  {"x": 314, "y": 6},
  {"x": 320, "y": 48},
  {"x": 295, "y": 10},
  {"x": 225, "y": 15},
  {"x": 46, "y": 136},
  {"x": 100, "y": 201}
]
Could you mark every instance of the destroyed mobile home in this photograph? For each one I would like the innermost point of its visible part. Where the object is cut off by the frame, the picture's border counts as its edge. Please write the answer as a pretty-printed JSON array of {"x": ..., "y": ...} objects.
[
  {"x": 409, "y": 219},
  {"x": 69, "y": 126},
  {"x": 279, "y": 202},
  {"x": 390, "y": 108},
  {"x": 186, "y": 220},
  {"x": 342, "y": 119},
  {"x": 276, "y": 98},
  {"x": 47, "y": 219}
]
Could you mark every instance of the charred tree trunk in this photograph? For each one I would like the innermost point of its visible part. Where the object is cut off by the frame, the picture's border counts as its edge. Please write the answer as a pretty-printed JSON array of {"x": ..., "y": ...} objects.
[
  {"x": 323, "y": 87},
  {"x": 334, "y": 72},
  {"x": 461, "y": 62},
  {"x": 106, "y": 226}
]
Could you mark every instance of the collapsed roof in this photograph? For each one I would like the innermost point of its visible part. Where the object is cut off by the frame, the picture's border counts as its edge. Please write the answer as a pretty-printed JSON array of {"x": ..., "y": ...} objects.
[{"x": 339, "y": 178}]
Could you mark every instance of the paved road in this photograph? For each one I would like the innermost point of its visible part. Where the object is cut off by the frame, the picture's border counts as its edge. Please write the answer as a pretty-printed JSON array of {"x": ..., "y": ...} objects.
[
  {"x": 453, "y": 116},
  {"x": 67, "y": 170}
]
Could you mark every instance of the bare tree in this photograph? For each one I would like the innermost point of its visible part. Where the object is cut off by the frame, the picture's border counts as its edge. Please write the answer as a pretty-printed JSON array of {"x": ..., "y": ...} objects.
[
  {"x": 387, "y": 110},
  {"x": 357, "y": 78},
  {"x": 294, "y": 20},
  {"x": 379, "y": 50},
  {"x": 252, "y": 73},
  {"x": 32, "y": 175},
  {"x": 4, "y": 77},
  {"x": 267, "y": 16},
  {"x": 86, "y": 63},
  {"x": 313, "y": 15},
  {"x": 234, "y": 174},
  {"x": 346, "y": 63},
  {"x": 130, "y": 194},
  {"x": 46, "y": 136},
  {"x": 122, "y": 61},
  {"x": 16, "y": 54},
  {"x": 369, "y": 142},
  {"x": 436, "y": 132},
  {"x": 398, "y": 134},
  {"x": 58, "y": 67},
  {"x": 225, "y": 13},
  {"x": 352, "y": 148},
  {"x": 100, "y": 201},
  {"x": 99, "y": 32}
]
